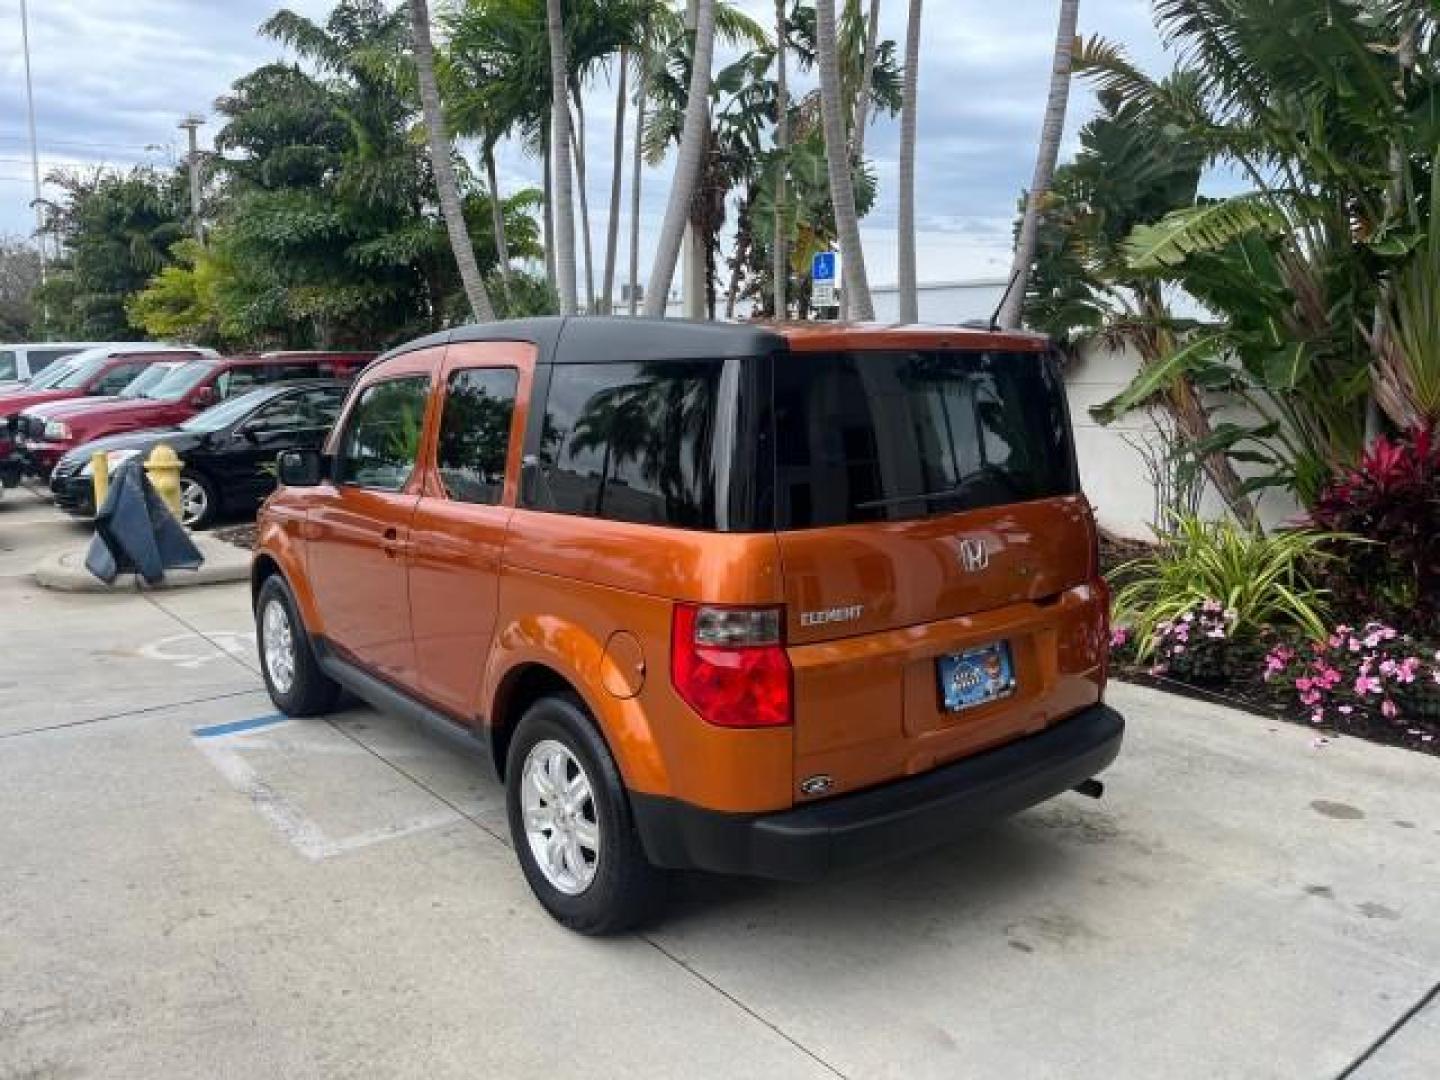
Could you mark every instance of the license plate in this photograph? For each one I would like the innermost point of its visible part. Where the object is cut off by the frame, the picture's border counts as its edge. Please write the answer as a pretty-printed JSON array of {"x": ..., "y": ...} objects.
[{"x": 976, "y": 676}]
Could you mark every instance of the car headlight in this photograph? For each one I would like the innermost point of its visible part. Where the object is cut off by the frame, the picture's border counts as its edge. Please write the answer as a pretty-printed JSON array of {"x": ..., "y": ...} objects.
[
  {"x": 57, "y": 431},
  {"x": 113, "y": 458}
]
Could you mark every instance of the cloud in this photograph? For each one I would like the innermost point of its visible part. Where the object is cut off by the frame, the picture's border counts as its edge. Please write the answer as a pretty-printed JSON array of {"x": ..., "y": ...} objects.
[{"x": 112, "y": 80}]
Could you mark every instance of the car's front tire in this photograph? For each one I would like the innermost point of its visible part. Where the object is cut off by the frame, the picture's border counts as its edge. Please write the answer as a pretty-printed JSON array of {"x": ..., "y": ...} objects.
[
  {"x": 571, "y": 824},
  {"x": 293, "y": 676}
]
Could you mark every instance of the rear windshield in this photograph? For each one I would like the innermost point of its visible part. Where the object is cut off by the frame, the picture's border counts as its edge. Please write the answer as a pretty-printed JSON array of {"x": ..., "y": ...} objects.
[{"x": 890, "y": 436}]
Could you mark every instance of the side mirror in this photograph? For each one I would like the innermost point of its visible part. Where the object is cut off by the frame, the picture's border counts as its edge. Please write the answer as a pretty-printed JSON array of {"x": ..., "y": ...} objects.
[{"x": 301, "y": 468}]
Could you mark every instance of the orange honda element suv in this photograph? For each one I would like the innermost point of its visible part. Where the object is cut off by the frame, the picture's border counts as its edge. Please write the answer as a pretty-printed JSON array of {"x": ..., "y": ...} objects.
[{"x": 768, "y": 601}]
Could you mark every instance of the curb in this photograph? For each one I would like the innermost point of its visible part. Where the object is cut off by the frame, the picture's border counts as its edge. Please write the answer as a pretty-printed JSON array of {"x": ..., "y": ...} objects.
[{"x": 224, "y": 563}]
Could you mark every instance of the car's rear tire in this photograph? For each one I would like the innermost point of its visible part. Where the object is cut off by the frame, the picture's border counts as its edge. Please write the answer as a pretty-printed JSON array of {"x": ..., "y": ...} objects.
[
  {"x": 199, "y": 502},
  {"x": 596, "y": 879},
  {"x": 293, "y": 676}
]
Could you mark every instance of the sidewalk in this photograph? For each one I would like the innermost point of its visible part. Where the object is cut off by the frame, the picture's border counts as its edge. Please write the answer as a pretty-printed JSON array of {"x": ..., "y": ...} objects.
[{"x": 224, "y": 562}]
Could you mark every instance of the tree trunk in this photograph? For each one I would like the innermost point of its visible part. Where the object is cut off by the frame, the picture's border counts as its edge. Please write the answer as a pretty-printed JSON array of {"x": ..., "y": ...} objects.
[
  {"x": 637, "y": 166},
  {"x": 693, "y": 141},
  {"x": 780, "y": 248},
  {"x": 560, "y": 147},
  {"x": 905, "y": 247},
  {"x": 867, "y": 77},
  {"x": 444, "y": 168},
  {"x": 617, "y": 179},
  {"x": 837, "y": 157},
  {"x": 1050, "y": 132},
  {"x": 577, "y": 140},
  {"x": 744, "y": 239},
  {"x": 547, "y": 222},
  {"x": 497, "y": 212}
]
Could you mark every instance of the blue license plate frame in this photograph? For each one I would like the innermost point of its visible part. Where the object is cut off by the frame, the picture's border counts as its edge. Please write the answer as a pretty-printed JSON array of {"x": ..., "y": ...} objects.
[{"x": 975, "y": 676}]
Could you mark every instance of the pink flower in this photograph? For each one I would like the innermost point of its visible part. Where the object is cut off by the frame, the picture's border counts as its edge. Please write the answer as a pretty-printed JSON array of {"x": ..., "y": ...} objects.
[
  {"x": 1318, "y": 716},
  {"x": 1119, "y": 636},
  {"x": 1367, "y": 684},
  {"x": 1388, "y": 709}
]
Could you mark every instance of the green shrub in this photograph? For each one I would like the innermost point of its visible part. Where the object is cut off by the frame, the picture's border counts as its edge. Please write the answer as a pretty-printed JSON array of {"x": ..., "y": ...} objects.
[{"x": 1258, "y": 580}]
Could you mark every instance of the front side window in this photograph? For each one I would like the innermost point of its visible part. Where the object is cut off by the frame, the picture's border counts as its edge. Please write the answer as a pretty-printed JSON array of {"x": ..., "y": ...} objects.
[
  {"x": 475, "y": 433},
  {"x": 307, "y": 410},
  {"x": 181, "y": 381},
  {"x": 9, "y": 366},
  {"x": 381, "y": 439},
  {"x": 117, "y": 378},
  {"x": 890, "y": 436}
]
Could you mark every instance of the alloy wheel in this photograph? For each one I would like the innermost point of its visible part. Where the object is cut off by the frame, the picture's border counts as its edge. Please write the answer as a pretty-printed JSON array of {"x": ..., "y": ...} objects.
[
  {"x": 561, "y": 823},
  {"x": 279, "y": 648}
]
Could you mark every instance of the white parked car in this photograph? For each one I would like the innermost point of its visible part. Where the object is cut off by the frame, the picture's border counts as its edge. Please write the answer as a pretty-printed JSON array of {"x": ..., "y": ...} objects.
[{"x": 21, "y": 362}]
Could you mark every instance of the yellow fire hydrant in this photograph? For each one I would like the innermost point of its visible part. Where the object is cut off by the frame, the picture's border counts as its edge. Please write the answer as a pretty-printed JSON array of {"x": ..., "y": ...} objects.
[
  {"x": 163, "y": 468},
  {"x": 100, "y": 476}
]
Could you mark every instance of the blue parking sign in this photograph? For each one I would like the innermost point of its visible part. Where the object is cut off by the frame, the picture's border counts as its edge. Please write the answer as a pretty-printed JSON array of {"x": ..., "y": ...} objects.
[{"x": 822, "y": 266}]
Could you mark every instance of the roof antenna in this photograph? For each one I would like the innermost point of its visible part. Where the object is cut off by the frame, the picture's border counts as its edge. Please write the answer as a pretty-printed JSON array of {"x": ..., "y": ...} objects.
[{"x": 995, "y": 315}]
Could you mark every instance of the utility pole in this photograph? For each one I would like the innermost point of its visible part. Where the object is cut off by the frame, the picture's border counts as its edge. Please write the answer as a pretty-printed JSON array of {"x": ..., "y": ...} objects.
[
  {"x": 190, "y": 125},
  {"x": 34, "y": 145},
  {"x": 692, "y": 258}
]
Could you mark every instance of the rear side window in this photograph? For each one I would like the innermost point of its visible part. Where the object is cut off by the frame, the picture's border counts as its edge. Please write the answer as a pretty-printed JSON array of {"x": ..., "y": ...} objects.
[
  {"x": 475, "y": 433},
  {"x": 382, "y": 435},
  {"x": 668, "y": 442},
  {"x": 890, "y": 436},
  {"x": 40, "y": 359},
  {"x": 9, "y": 368}
]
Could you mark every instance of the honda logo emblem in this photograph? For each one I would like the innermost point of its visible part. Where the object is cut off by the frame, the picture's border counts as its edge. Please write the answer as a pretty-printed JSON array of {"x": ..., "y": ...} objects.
[{"x": 973, "y": 554}]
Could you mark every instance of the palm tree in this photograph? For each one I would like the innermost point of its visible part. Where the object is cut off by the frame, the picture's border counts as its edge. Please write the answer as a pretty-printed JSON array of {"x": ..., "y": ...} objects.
[
  {"x": 1050, "y": 132},
  {"x": 564, "y": 205},
  {"x": 617, "y": 173},
  {"x": 837, "y": 159},
  {"x": 443, "y": 167},
  {"x": 688, "y": 161},
  {"x": 637, "y": 165},
  {"x": 909, "y": 301},
  {"x": 780, "y": 249},
  {"x": 867, "y": 75}
]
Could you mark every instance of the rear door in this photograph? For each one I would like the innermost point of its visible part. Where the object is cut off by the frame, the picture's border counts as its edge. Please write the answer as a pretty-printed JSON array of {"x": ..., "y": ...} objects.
[
  {"x": 460, "y": 522},
  {"x": 926, "y": 503}
]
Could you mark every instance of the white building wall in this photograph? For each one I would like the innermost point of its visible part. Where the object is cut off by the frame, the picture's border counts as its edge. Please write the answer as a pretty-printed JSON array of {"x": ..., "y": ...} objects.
[{"x": 1112, "y": 470}]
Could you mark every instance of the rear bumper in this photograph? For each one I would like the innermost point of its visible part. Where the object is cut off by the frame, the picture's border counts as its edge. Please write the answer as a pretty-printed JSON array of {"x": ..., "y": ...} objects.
[{"x": 885, "y": 822}]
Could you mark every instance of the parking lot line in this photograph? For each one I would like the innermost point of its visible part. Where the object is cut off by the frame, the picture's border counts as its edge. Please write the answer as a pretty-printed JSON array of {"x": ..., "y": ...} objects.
[{"x": 238, "y": 725}]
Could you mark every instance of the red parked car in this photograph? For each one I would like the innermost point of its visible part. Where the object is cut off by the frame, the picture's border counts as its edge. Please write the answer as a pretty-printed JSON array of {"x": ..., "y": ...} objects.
[
  {"x": 46, "y": 436},
  {"x": 99, "y": 372}
]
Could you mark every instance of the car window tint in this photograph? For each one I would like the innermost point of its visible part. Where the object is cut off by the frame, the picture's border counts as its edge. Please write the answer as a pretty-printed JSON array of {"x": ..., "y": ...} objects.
[
  {"x": 40, "y": 359},
  {"x": 9, "y": 366},
  {"x": 117, "y": 378},
  {"x": 475, "y": 433},
  {"x": 287, "y": 414},
  {"x": 237, "y": 381},
  {"x": 889, "y": 436},
  {"x": 382, "y": 436},
  {"x": 637, "y": 442},
  {"x": 298, "y": 369}
]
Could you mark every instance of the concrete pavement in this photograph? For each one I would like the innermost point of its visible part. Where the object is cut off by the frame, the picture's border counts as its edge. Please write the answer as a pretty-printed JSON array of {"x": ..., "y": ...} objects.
[{"x": 192, "y": 886}]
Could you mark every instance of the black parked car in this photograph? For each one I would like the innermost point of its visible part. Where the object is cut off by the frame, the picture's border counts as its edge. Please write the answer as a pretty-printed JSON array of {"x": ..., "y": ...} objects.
[{"x": 228, "y": 452}]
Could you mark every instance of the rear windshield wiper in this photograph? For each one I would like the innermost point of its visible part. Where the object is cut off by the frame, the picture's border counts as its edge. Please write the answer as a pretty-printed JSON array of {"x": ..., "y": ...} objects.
[{"x": 875, "y": 504}]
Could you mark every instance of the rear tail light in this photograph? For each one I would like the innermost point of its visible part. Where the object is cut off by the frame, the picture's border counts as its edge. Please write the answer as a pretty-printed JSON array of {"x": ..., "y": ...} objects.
[{"x": 730, "y": 665}]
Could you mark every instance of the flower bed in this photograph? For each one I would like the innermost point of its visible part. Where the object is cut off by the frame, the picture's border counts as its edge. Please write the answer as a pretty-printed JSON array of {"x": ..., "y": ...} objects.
[{"x": 1371, "y": 680}]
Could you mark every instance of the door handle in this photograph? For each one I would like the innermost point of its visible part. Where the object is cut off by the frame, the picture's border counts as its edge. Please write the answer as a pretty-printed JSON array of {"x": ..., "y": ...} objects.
[{"x": 390, "y": 541}]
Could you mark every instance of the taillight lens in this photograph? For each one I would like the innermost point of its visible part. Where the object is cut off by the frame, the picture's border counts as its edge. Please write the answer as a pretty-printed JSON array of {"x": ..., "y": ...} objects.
[{"x": 730, "y": 666}]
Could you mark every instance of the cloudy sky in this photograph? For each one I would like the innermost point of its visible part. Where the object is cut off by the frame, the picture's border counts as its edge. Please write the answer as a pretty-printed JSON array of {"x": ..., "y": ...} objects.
[{"x": 111, "y": 80}]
